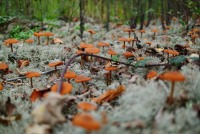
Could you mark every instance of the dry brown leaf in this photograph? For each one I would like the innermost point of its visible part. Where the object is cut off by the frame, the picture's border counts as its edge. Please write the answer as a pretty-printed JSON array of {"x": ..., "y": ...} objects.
[
  {"x": 57, "y": 40},
  {"x": 50, "y": 111}
]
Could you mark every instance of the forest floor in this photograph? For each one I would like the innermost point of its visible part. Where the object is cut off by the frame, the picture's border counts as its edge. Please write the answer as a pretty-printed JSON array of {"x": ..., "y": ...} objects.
[{"x": 128, "y": 100}]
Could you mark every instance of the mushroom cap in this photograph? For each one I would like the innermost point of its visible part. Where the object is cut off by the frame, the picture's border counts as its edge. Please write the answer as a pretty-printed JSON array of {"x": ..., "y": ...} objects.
[
  {"x": 70, "y": 75},
  {"x": 172, "y": 76},
  {"x": 66, "y": 88},
  {"x": 3, "y": 66},
  {"x": 92, "y": 50},
  {"x": 81, "y": 78},
  {"x": 35, "y": 94},
  {"x": 174, "y": 19},
  {"x": 57, "y": 63},
  {"x": 91, "y": 31},
  {"x": 111, "y": 52},
  {"x": 86, "y": 121},
  {"x": 152, "y": 74},
  {"x": 173, "y": 52},
  {"x": 85, "y": 45},
  {"x": 79, "y": 52},
  {"x": 128, "y": 30},
  {"x": 129, "y": 39},
  {"x": 148, "y": 42},
  {"x": 111, "y": 68},
  {"x": 48, "y": 34},
  {"x": 142, "y": 31},
  {"x": 32, "y": 74},
  {"x": 10, "y": 41},
  {"x": 140, "y": 58},
  {"x": 154, "y": 30},
  {"x": 194, "y": 36},
  {"x": 29, "y": 41},
  {"x": 86, "y": 106},
  {"x": 122, "y": 39},
  {"x": 38, "y": 34},
  {"x": 128, "y": 54},
  {"x": 1, "y": 86},
  {"x": 103, "y": 44}
]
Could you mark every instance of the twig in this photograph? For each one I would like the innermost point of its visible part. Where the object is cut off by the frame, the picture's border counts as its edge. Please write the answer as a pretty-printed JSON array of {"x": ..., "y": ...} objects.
[{"x": 85, "y": 54}]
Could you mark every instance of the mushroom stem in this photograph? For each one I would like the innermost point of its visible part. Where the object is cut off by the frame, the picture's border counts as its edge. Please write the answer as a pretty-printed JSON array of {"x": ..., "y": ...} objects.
[
  {"x": 154, "y": 36},
  {"x": 68, "y": 80},
  {"x": 31, "y": 80},
  {"x": 171, "y": 99},
  {"x": 47, "y": 40},
  {"x": 84, "y": 85},
  {"x": 129, "y": 34},
  {"x": 11, "y": 46},
  {"x": 141, "y": 34},
  {"x": 38, "y": 40},
  {"x": 132, "y": 43},
  {"x": 124, "y": 45}
]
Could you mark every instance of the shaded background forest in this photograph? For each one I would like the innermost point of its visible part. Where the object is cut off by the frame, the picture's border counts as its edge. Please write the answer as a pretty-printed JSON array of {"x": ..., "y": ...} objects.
[{"x": 139, "y": 10}]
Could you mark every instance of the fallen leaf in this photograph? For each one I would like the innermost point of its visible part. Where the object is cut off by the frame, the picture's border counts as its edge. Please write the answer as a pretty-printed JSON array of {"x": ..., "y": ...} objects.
[
  {"x": 38, "y": 129},
  {"x": 9, "y": 107},
  {"x": 57, "y": 40}
]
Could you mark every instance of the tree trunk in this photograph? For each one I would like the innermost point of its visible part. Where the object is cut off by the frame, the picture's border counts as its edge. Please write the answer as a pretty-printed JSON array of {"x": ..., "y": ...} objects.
[
  {"x": 7, "y": 8},
  {"x": 81, "y": 5},
  {"x": 142, "y": 15},
  {"x": 150, "y": 14},
  {"x": 168, "y": 15},
  {"x": 108, "y": 14},
  {"x": 162, "y": 15}
]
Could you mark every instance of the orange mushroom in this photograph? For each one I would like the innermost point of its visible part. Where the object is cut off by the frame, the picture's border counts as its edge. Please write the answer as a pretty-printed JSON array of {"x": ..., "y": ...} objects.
[
  {"x": 111, "y": 52},
  {"x": 48, "y": 34},
  {"x": 66, "y": 88},
  {"x": 152, "y": 74},
  {"x": 172, "y": 52},
  {"x": 86, "y": 121},
  {"x": 93, "y": 50},
  {"x": 110, "y": 69},
  {"x": 38, "y": 34},
  {"x": 10, "y": 42},
  {"x": 141, "y": 32},
  {"x": 149, "y": 43},
  {"x": 86, "y": 106},
  {"x": 154, "y": 33},
  {"x": 70, "y": 75},
  {"x": 128, "y": 54},
  {"x": 29, "y": 41},
  {"x": 83, "y": 80},
  {"x": 103, "y": 44},
  {"x": 3, "y": 68},
  {"x": 1, "y": 86},
  {"x": 91, "y": 32},
  {"x": 31, "y": 75},
  {"x": 85, "y": 45},
  {"x": 173, "y": 77},
  {"x": 124, "y": 42},
  {"x": 129, "y": 31},
  {"x": 55, "y": 64}
]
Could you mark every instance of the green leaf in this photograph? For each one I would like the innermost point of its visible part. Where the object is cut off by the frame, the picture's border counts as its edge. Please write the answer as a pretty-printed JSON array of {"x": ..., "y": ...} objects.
[
  {"x": 177, "y": 60},
  {"x": 141, "y": 62},
  {"x": 115, "y": 57}
]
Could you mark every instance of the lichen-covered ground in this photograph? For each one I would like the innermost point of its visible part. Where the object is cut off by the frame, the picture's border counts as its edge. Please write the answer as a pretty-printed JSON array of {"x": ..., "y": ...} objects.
[{"x": 140, "y": 109}]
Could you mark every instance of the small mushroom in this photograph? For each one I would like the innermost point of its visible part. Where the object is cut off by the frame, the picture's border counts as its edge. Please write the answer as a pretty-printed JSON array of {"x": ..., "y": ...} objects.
[
  {"x": 154, "y": 33},
  {"x": 3, "y": 68},
  {"x": 66, "y": 88},
  {"x": 70, "y": 75},
  {"x": 55, "y": 64},
  {"x": 38, "y": 34},
  {"x": 111, "y": 52},
  {"x": 141, "y": 32},
  {"x": 10, "y": 42},
  {"x": 128, "y": 54},
  {"x": 82, "y": 79},
  {"x": 86, "y": 121},
  {"x": 129, "y": 31},
  {"x": 151, "y": 74},
  {"x": 30, "y": 41},
  {"x": 93, "y": 50},
  {"x": 91, "y": 33},
  {"x": 48, "y": 34},
  {"x": 31, "y": 75},
  {"x": 86, "y": 106},
  {"x": 110, "y": 69},
  {"x": 1, "y": 86},
  {"x": 103, "y": 44},
  {"x": 173, "y": 77}
]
